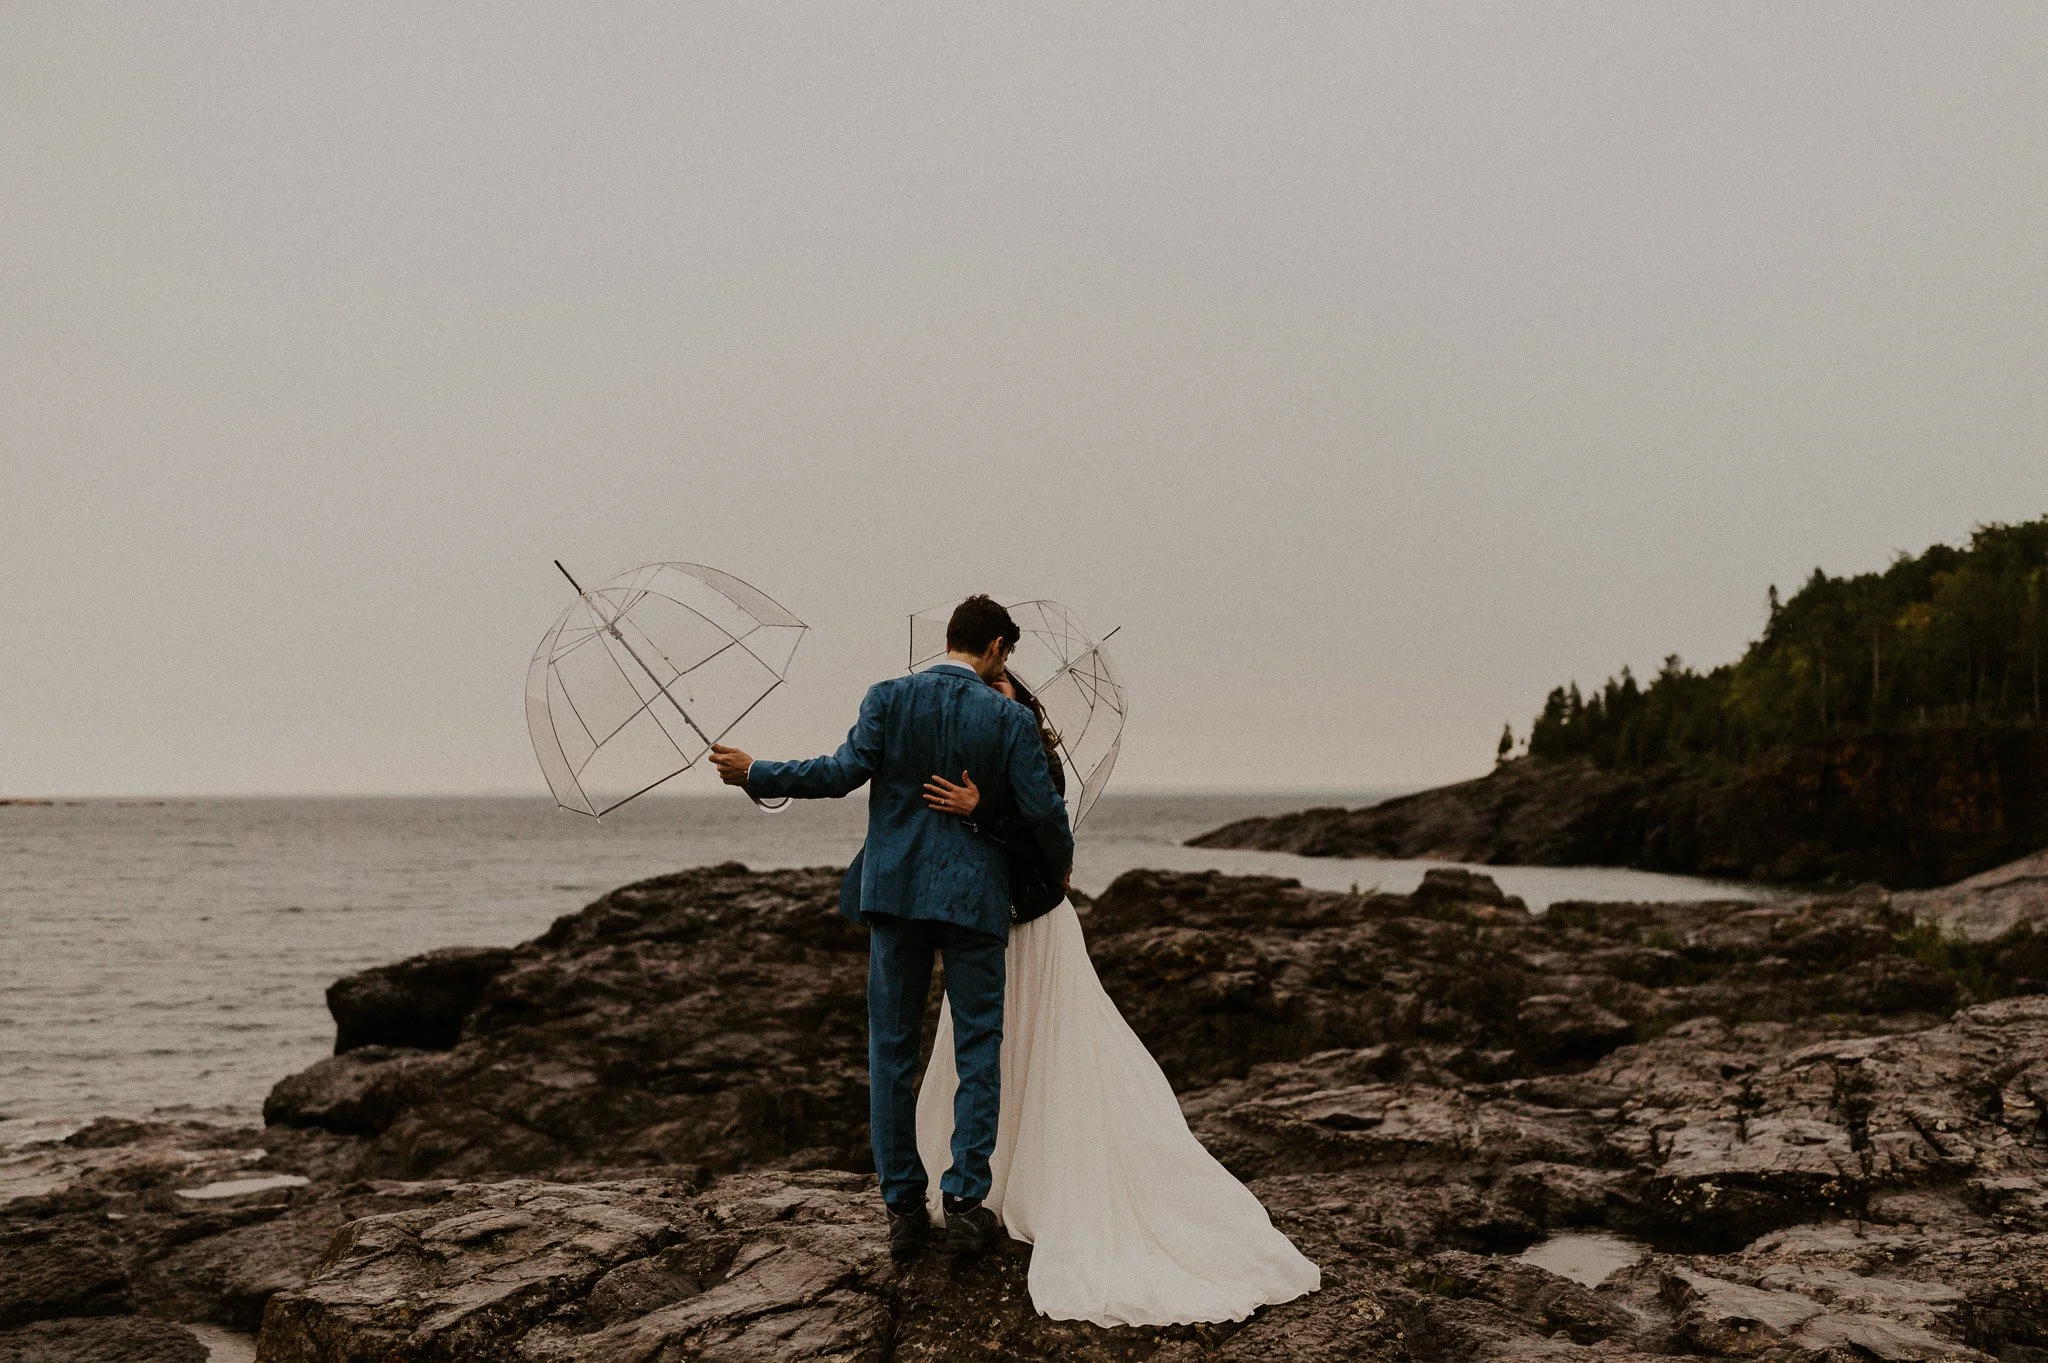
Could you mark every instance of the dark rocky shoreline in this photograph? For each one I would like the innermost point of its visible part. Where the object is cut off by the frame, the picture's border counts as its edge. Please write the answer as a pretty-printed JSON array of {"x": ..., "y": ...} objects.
[
  {"x": 1906, "y": 810},
  {"x": 1823, "y": 1125}
]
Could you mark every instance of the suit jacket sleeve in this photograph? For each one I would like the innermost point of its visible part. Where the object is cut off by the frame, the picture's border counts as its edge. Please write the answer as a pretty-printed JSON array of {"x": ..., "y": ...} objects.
[
  {"x": 820, "y": 778},
  {"x": 1038, "y": 804}
]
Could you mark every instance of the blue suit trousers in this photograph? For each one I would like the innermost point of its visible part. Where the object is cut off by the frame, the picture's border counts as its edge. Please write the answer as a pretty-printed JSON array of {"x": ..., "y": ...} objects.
[{"x": 900, "y": 956}]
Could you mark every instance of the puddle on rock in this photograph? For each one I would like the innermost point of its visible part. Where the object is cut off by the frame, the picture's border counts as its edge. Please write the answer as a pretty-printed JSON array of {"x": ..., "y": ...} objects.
[
  {"x": 225, "y": 1346},
  {"x": 238, "y": 1187},
  {"x": 1588, "y": 1258}
]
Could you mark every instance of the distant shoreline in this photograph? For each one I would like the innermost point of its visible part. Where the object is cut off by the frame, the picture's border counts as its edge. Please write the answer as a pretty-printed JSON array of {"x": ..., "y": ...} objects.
[
  {"x": 1907, "y": 810},
  {"x": 1365, "y": 794}
]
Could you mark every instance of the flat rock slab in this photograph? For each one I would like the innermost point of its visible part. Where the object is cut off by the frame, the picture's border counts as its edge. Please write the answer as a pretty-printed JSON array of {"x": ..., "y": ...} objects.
[
  {"x": 1988, "y": 905},
  {"x": 48, "y": 1272},
  {"x": 102, "y": 1339},
  {"x": 1727, "y": 1319},
  {"x": 760, "y": 1268},
  {"x": 772, "y": 1268}
]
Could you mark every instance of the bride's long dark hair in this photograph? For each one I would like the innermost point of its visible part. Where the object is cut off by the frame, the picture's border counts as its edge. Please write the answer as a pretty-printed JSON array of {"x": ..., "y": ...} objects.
[{"x": 1047, "y": 735}]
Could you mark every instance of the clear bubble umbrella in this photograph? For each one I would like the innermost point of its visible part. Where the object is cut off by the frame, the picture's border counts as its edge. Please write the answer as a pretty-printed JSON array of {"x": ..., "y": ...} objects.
[
  {"x": 639, "y": 677},
  {"x": 1070, "y": 673}
]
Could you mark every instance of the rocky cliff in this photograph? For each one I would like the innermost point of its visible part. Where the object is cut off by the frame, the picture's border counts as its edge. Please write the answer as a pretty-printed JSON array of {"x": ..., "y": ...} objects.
[
  {"x": 1913, "y": 809},
  {"x": 1802, "y": 1130}
]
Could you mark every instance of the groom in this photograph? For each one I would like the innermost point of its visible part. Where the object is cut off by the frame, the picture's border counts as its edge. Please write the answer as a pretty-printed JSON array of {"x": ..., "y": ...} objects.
[{"x": 928, "y": 887}]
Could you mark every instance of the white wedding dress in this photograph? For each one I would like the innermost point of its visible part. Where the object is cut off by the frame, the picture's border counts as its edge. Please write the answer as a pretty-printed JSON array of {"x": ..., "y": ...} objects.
[{"x": 1131, "y": 1221}]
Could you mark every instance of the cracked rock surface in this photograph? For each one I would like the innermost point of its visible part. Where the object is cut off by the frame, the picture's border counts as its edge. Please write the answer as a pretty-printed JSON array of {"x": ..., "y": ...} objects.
[{"x": 1783, "y": 1131}]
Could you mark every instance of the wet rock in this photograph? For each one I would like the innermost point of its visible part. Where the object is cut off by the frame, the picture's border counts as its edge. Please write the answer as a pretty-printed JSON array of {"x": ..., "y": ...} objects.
[
  {"x": 418, "y": 1003},
  {"x": 1989, "y": 905},
  {"x": 1760, "y": 1138},
  {"x": 1472, "y": 1328},
  {"x": 1742, "y": 1145},
  {"x": 1452, "y": 886},
  {"x": 1558, "y": 1028},
  {"x": 103, "y": 1339},
  {"x": 768, "y": 1267},
  {"x": 1553, "y": 1304},
  {"x": 112, "y": 1157},
  {"x": 224, "y": 1268},
  {"x": 1219, "y": 974},
  {"x": 1921, "y": 1305},
  {"x": 716, "y": 1018},
  {"x": 2018, "y": 1201},
  {"x": 1722, "y": 1318},
  {"x": 1417, "y": 1088},
  {"x": 1727, "y": 1319},
  {"x": 1930, "y": 1264},
  {"x": 1876, "y": 1337},
  {"x": 111, "y": 1133},
  {"x": 358, "y": 1092},
  {"x": 229, "y": 1277},
  {"x": 117, "y": 1229},
  {"x": 1567, "y": 1196},
  {"x": 1260, "y": 1128},
  {"x": 712, "y": 1018},
  {"x": 761, "y": 1269},
  {"x": 62, "y": 1269}
]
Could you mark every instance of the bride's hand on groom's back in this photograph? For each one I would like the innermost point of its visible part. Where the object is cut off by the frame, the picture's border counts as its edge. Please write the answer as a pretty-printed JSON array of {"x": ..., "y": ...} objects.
[{"x": 946, "y": 798}]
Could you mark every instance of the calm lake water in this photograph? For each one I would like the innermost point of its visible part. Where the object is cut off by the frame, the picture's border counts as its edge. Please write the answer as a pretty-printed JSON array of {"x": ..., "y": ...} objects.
[{"x": 171, "y": 958}]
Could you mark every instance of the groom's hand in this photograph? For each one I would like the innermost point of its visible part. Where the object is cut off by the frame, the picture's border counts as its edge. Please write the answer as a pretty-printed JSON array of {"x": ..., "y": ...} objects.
[{"x": 732, "y": 764}]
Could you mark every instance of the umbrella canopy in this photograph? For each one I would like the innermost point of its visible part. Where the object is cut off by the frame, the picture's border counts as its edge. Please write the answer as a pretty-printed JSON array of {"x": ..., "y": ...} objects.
[
  {"x": 1069, "y": 672},
  {"x": 639, "y": 677}
]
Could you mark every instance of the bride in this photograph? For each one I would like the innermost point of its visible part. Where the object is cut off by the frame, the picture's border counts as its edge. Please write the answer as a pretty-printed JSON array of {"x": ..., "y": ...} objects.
[{"x": 1131, "y": 1221}]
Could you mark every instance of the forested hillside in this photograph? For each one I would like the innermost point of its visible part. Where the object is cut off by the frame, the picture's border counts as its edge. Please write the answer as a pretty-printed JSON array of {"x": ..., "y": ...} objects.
[{"x": 1952, "y": 638}]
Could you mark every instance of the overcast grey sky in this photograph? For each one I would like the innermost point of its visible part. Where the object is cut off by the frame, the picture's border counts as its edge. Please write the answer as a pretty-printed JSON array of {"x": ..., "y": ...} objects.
[{"x": 1374, "y": 366}]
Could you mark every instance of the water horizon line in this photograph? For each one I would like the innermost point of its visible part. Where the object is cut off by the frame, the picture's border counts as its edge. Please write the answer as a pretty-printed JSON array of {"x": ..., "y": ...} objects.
[{"x": 1378, "y": 790}]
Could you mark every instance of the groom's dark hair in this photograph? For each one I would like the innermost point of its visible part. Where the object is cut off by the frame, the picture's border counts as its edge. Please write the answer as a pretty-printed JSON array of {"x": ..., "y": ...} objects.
[{"x": 978, "y": 622}]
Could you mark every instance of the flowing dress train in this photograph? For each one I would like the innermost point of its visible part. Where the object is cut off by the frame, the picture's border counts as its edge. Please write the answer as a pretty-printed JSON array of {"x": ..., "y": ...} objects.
[{"x": 1131, "y": 1221}]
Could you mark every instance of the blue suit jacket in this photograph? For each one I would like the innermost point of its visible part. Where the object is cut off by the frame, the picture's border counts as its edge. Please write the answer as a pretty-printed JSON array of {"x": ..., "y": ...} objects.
[{"x": 918, "y": 863}]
